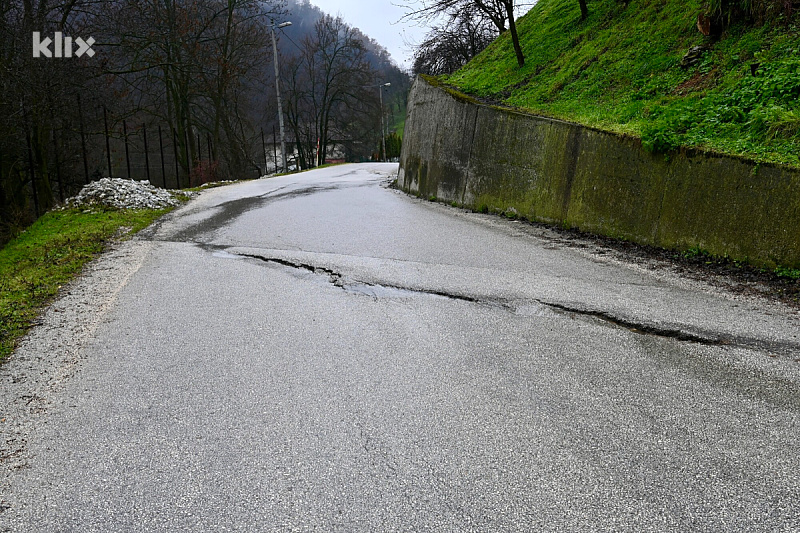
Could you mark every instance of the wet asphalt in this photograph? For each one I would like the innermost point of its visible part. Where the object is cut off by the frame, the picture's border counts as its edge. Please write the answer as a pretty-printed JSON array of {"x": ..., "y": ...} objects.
[{"x": 320, "y": 352}]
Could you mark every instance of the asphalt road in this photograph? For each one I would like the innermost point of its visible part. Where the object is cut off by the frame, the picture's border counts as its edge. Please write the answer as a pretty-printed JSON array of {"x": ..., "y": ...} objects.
[{"x": 319, "y": 352}]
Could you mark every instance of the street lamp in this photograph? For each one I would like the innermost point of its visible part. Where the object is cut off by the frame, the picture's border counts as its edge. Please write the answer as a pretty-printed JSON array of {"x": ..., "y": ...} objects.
[
  {"x": 380, "y": 93},
  {"x": 278, "y": 90}
]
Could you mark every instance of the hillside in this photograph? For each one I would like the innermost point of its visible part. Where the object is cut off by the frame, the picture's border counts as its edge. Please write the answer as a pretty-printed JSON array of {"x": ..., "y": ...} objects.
[{"x": 620, "y": 70}]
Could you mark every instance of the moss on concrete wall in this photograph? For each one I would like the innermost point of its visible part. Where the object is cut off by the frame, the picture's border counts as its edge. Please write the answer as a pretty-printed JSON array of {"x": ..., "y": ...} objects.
[{"x": 486, "y": 158}]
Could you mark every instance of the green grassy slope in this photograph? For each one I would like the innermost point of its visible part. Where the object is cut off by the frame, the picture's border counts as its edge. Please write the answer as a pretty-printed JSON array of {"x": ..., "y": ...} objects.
[
  {"x": 620, "y": 70},
  {"x": 50, "y": 253}
]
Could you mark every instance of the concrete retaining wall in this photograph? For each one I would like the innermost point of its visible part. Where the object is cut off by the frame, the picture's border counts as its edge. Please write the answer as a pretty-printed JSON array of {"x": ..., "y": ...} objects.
[{"x": 458, "y": 150}]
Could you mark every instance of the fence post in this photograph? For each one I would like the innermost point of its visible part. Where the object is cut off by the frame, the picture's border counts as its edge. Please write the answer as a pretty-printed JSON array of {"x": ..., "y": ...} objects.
[
  {"x": 55, "y": 149},
  {"x": 58, "y": 165},
  {"x": 146, "y": 153},
  {"x": 175, "y": 151},
  {"x": 108, "y": 145},
  {"x": 33, "y": 173},
  {"x": 83, "y": 142},
  {"x": 127, "y": 153},
  {"x": 264, "y": 149},
  {"x": 161, "y": 146},
  {"x": 186, "y": 153},
  {"x": 275, "y": 148}
]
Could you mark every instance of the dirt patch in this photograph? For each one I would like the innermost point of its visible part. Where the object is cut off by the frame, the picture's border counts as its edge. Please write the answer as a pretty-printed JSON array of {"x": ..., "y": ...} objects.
[{"x": 698, "y": 82}]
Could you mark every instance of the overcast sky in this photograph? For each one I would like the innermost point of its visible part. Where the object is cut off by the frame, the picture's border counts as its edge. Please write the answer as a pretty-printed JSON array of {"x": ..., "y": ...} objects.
[{"x": 378, "y": 19}]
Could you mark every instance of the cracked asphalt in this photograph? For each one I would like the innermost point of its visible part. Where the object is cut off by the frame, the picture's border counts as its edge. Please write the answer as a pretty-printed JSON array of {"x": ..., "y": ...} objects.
[{"x": 320, "y": 352}]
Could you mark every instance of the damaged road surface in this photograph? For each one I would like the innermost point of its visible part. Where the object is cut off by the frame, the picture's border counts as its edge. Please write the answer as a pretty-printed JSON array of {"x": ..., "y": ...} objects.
[{"x": 320, "y": 352}]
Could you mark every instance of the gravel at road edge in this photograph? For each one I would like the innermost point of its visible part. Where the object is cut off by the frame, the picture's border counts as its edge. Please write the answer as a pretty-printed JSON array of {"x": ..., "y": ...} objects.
[{"x": 50, "y": 353}]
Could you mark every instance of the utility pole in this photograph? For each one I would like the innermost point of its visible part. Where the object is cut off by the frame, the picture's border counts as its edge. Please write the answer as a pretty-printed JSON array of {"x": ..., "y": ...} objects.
[
  {"x": 380, "y": 94},
  {"x": 383, "y": 137},
  {"x": 278, "y": 90}
]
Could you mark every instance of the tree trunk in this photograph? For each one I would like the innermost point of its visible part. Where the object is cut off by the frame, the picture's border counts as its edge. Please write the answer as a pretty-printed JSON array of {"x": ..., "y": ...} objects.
[
  {"x": 584, "y": 9},
  {"x": 512, "y": 26}
]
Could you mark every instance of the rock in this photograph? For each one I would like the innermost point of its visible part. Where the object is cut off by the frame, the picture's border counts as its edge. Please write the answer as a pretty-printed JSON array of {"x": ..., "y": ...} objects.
[
  {"x": 123, "y": 194},
  {"x": 692, "y": 56}
]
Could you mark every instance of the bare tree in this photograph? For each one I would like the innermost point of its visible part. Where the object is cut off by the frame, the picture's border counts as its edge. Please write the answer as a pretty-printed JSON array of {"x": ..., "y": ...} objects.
[
  {"x": 499, "y": 12},
  {"x": 194, "y": 62},
  {"x": 188, "y": 64},
  {"x": 451, "y": 45},
  {"x": 326, "y": 87},
  {"x": 237, "y": 50},
  {"x": 38, "y": 105}
]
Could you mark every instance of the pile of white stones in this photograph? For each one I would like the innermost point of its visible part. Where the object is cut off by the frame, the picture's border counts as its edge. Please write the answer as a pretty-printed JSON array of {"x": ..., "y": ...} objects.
[{"x": 123, "y": 194}]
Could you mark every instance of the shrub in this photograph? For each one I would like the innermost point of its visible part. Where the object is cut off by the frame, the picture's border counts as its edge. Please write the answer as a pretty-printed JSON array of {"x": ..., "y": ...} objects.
[{"x": 660, "y": 137}]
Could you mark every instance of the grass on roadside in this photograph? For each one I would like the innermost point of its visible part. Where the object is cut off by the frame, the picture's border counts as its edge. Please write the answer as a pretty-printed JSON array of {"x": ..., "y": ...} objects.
[{"x": 50, "y": 253}]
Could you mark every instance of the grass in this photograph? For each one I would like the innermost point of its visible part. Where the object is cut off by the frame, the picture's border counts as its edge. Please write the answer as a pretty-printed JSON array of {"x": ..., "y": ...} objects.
[
  {"x": 620, "y": 70},
  {"x": 50, "y": 253}
]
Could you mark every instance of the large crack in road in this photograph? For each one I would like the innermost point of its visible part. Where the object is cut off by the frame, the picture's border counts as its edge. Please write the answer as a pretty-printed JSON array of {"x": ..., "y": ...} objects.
[{"x": 675, "y": 332}]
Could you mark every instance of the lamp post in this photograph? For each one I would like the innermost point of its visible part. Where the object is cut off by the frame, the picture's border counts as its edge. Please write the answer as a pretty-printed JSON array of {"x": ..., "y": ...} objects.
[
  {"x": 278, "y": 90},
  {"x": 383, "y": 137},
  {"x": 380, "y": 94}
]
